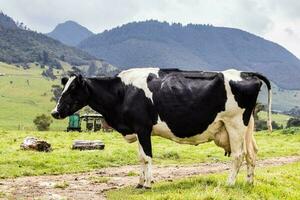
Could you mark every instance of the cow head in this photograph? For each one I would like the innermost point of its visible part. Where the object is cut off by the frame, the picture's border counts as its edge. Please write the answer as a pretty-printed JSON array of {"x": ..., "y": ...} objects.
[{"x": 73, "y": 97}]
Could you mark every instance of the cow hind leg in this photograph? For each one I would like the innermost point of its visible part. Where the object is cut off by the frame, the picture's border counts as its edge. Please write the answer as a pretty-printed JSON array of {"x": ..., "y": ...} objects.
[
  {"x": 251, "y": 151},
  {"x": 236, "y": 131}
]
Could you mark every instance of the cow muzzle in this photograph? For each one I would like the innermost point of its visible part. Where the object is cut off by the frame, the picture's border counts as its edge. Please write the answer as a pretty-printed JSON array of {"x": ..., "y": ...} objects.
[{"x": 55, "y": 114}]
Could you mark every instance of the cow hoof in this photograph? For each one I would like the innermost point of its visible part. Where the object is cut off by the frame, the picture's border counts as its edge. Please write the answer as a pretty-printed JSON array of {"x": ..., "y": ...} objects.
[
  {"x": 147, "y": 188},
  {"x": 152, "y": 181},
  {"x": 227, "y": 153},
  {"x": 139, "y": 186}
]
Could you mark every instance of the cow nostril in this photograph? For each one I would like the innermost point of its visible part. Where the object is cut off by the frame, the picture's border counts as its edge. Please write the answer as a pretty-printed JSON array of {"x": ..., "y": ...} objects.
[{"x": 55, "y": 114}]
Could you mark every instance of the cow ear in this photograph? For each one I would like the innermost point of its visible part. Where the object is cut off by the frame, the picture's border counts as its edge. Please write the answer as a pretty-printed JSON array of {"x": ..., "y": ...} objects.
[{"x": 64, "y": 80}]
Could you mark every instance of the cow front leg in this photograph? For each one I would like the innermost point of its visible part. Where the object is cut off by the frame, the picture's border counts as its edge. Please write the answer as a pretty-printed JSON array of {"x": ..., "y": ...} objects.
[{"x": 145, "y": 155}]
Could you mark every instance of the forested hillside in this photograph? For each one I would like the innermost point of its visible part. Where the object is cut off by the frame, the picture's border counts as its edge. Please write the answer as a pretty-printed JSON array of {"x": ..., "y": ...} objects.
[
  {"x": 21, "y": 46},
  {"x": 197, "y": 47}
]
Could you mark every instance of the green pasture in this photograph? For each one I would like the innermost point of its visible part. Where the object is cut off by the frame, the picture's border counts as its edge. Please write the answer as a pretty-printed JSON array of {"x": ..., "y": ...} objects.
[
  {"x": 24, "y": 94},
  {"x": 281, "y": 182},
  {"x": 15, "y": 162}
]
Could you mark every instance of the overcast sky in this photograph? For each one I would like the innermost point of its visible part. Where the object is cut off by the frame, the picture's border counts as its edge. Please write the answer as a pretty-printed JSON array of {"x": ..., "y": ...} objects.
[{"x": 276, "y": 20}]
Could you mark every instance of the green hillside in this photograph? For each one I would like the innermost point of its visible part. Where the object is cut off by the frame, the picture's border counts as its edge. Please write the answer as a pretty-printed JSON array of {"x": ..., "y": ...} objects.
[{"x": 23, "y": 95}]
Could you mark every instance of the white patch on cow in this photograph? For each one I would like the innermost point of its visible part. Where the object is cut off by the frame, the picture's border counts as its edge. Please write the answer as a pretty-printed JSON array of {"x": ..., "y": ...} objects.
[
  {"x": 232, "y": 74},
  {"x": 231, "y": 106},
  {"x": 138, "y": 78},
  {"x": 55, "y": 109},
  {"x": 71, "y": 79}
]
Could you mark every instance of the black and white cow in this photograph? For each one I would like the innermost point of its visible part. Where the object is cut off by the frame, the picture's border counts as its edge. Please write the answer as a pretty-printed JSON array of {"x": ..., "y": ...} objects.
[{"x": 188, "y": 107}]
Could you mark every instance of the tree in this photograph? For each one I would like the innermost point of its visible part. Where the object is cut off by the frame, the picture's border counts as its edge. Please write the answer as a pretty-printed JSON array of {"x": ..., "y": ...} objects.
[
  {"x": 45, "y": 57},
  {"x": 62, "y": 57},
  {"x": 42, "y": 122}
]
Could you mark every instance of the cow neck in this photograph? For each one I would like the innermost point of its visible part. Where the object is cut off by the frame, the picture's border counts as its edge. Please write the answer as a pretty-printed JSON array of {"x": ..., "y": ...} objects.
[{"x": 103, "y": 97}]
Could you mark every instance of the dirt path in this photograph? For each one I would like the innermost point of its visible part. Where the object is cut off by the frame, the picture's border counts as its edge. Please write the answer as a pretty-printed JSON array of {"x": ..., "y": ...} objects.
[{"x": 87, "y": 186}]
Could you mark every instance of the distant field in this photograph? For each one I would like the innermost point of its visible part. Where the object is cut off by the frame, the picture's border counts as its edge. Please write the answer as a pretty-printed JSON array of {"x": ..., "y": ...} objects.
[
  {"x": 25, "y": 94},
  {"x": 15, "y": 162},
  {"x": 281, "y": 119},
  {"x": 270, "y": 183}
]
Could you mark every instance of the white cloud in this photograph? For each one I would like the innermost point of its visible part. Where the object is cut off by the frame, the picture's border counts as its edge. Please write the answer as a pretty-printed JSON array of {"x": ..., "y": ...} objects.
[{"x": 272, "y": 19}]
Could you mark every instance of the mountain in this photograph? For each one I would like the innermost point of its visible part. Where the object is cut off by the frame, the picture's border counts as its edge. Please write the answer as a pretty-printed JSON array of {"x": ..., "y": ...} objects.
[
  {"x": 196, "y": 47},
  {"x": 18, "y": 45},
  {"x": 7, "y": 22},
  {"x": 70, "y": 33}
]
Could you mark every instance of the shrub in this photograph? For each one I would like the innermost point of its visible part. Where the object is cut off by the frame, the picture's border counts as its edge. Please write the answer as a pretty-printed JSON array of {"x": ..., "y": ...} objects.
[
  {"x": 293, "y": 122},
  {"x": 42, "y": 122}
]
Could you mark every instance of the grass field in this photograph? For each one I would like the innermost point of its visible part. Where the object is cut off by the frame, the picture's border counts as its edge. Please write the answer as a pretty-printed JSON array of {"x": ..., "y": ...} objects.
[
  {"x": 280, "y": 119},
  {"x": 270, "y": 183},
  {"x": 24, "y": 94},
  {"x": 15, "y": 162}
]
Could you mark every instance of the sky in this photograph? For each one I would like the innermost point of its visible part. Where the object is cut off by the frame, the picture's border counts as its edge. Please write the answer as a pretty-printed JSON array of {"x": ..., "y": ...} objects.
[{"x": 275, "y": 20}]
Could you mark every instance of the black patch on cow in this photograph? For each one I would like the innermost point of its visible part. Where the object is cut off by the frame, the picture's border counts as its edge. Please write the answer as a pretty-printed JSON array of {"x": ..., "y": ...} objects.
[
  {"x": 245, "y": 93},
  {"x": 250, "y": 75},
  {"x": 187, "y": 74},
  {"x": 188, "y": 101},
  {"x": 125, "y": 107}
]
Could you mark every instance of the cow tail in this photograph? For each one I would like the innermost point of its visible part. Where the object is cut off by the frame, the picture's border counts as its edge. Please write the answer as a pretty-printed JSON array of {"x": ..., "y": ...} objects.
[
  {"x": 269, "y": 110},
  {"x": 268, "y": 84}
]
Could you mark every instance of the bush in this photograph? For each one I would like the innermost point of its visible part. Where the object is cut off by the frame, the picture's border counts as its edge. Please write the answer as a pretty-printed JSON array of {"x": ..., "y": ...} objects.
[
  {"x": 293, "y": 122},
  {"x": 262, "y": 125},
  {"x": 42, "y": 122}
]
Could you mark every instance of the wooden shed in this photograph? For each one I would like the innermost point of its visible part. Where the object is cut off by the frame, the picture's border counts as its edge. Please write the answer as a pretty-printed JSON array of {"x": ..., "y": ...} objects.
[{"x": 94, "y": 122}]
